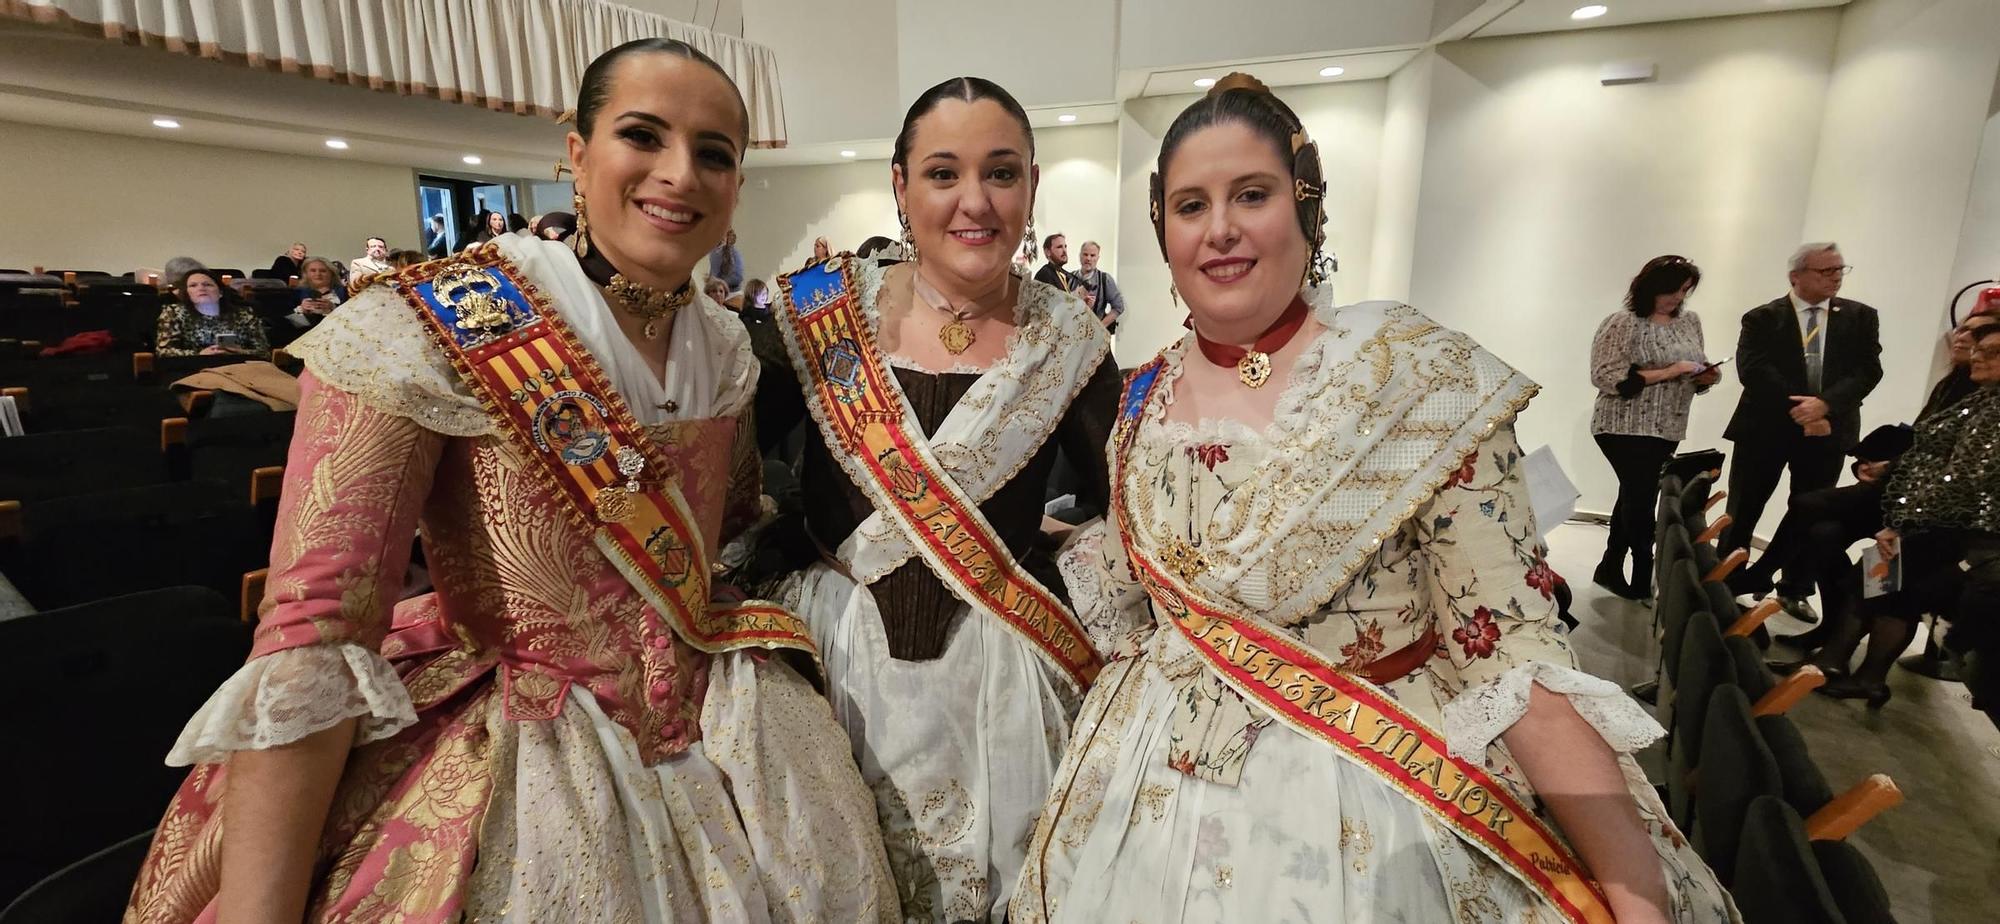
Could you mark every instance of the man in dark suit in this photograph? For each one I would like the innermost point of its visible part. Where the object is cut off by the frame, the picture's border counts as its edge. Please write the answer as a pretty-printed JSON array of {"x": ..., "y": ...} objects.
[
  {"x": 1807, "y": 360},
  {"x": 1056, "y": 248}
]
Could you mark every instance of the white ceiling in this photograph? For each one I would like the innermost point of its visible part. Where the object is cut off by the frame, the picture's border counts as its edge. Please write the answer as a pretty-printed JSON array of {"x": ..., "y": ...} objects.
[
  {"x": 58, "y": 78},
  {"x": 1528, "y": 16}
]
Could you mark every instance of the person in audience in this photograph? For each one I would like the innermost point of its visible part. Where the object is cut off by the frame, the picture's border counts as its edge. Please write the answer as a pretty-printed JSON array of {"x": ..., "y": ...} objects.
[
  {"x": 716, "y": 289},
  {"x": 822, "y": 252},
  {"x": 438, "y": 246},
  {"x": 726, "y": 263},
  {"x": 1396, "y": 544},
  {"x": 1098, "y": 289},
  {"x": 491, "y": 226},
  {"x": 1811, "y": 541},
  {"x": 320, "y": 292},
  {"x": 1056, "y": 248},
  {"x": 1807, "y": 359},
  {"x": 177, "y": 268},
  {"x": 756, "y": 299},
  {"x": 570, "y": 727},
  {"x": 557, "y": 226},
  {"x": 1942, "y": 510},
  {"x": 1648, "y": 362},
  {"x": 286, "y": 265},
  {"x": 518, "y": 224},
  {"x": 207, "y": 319},
  {"x": 404, "y": 259},
  {"x": 374, "y": 260},
  {"x": 955, "y": 677}
]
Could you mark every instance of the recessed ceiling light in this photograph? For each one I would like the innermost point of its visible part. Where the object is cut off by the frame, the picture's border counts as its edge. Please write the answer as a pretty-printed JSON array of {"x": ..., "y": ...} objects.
[
  {"x": 1590, "y": 12},
  {"x": 1205, "y": 82},
  {"x": 1332, "y": 71},
  {"x": 165, "y": 123},
  {"x": 1066, "y": 117},
  {"x": 336, "y": 144},
  {"x": 472, "y": 159},
  {"x": 850, "y": 153}
]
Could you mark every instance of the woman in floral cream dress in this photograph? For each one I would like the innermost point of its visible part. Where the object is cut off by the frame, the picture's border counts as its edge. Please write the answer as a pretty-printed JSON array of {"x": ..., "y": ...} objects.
[{"x": 1340, "y": 694}]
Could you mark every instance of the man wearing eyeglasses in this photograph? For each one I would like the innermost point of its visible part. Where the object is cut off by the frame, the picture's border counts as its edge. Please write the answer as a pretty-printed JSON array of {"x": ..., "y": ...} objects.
[{"x": 1807, "y": 360}]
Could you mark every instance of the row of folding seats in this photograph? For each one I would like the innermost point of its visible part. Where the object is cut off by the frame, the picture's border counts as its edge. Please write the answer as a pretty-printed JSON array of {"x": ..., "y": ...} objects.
[{"x": 1740, "y": 778}]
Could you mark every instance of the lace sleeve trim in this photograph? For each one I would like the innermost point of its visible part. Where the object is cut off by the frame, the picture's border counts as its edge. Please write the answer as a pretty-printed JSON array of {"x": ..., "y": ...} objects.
[
  {"x": 375, "y": 348},
  {"x": 1108, "y": 599},
  {"x": 281, "y": 697},
  {"x": 1479, "y": 716}
]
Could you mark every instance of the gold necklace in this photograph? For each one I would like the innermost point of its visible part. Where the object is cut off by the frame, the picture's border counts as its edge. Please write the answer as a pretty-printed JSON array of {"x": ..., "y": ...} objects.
[
  {"x": 956, "y": 335},
  {"x": 647, "y": 302}
]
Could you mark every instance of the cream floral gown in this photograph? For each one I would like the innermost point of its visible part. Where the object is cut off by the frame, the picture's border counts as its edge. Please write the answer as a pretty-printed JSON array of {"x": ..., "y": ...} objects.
[{"x": 1384, "y": 503}]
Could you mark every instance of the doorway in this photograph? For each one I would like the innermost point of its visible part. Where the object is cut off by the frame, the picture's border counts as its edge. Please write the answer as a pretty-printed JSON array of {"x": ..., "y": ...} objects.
[{"x": 453, "y": 209}]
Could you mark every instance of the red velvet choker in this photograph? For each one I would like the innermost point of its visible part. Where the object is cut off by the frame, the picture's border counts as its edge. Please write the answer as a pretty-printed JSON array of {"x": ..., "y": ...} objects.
[{"x": 1253, "y": 366}]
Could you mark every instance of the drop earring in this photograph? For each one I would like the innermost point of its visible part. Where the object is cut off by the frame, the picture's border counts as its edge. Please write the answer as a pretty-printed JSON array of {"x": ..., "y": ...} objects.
[
  {"x": 909, "y": 243},
  {"x": 581, "y": 238}
]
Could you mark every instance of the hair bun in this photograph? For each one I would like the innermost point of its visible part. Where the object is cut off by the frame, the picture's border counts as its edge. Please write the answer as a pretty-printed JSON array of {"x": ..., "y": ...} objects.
[{"x": 1237, "y": 80}]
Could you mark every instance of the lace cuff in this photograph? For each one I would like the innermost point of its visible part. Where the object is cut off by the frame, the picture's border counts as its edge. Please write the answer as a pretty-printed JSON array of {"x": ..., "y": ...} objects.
[
  {"x": 1107, "y": 597},
  {"x": 286, "y": 695},
  {"x": 1479, "y": 716}
]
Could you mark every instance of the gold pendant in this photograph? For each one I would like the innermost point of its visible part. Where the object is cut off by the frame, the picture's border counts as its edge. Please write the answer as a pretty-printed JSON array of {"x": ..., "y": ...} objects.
[
  {"x": 1254, "y": 368},
  {"x": 651, "y": 330},
  {"x": 614, "y": 504},
  {"x": 1183, "y": 559},
  {"x": 957, "y": 336}
]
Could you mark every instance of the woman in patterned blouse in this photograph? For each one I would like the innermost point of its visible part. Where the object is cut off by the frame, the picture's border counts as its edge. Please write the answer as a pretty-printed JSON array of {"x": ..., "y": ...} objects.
[
  {"x": 1648, "y": 364},
  {"x": 208, "y": 319}
]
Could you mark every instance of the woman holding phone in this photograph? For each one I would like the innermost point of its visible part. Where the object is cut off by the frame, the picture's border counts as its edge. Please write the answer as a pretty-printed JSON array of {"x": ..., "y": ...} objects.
[{"x": 1648, "y": 363}]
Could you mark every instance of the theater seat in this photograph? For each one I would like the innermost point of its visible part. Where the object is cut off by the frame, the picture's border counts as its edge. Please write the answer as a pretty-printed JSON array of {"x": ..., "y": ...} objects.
[
  {"x": 1777, "y": 876},
  {"x": 92, "y": 890},
  {"x": 97, "y": 694},
  {"x": 1705, "y": 666},
  {"x": 1736, "y": 768},
  {"x": 1857, "y": 890},
  {"x": 85, "y": 547},
  {"x": 1805, "y": 787}
]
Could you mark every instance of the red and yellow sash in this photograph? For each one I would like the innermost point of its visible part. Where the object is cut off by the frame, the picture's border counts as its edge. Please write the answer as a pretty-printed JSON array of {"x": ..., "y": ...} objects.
[
  {"x": 1306, "y": 691},
  {"x": 862, "y": 413},
  {"x": 523, "y": 362}
]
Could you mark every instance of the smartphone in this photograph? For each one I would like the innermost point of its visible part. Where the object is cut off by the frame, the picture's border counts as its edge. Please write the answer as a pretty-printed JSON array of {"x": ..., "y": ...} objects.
[
  {"x": 1710, "y": 367},
  {"x": 229, "y": 341}
]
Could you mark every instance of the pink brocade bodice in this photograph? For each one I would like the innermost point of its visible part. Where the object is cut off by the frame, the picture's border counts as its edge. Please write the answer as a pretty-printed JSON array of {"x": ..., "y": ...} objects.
[{"x": 521, "y": 586}]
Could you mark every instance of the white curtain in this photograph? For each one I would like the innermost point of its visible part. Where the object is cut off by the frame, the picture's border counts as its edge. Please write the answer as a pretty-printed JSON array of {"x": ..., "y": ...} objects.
[{"x": 524, "y": 56}]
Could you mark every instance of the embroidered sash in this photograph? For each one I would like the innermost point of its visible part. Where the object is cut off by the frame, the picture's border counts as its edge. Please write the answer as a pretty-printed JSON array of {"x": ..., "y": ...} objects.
[
  {"x": 1306, "y": 691},
  {"x": 861, "y": 410},
  {"x": 556, "y": 407}
]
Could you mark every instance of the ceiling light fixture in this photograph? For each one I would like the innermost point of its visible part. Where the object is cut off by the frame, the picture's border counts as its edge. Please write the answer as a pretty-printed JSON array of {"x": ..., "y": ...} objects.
[
  {"x": 472, "y": 159},
  {"x": 1590, "y": 12},
  {"x": 1332, "y": 71},
  {"x": 336, "y": 144},
  {"x": 165, "y": 123},
  {"x": 850, "y": 153},
  {"x": 1066, "y": 118},
  {"x": 1205, "y": 82}
]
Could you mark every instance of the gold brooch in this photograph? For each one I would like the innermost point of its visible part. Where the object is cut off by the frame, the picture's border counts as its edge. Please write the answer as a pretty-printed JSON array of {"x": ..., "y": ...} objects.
[
  {"x": 1185, "y": 560},
  {"x": 1254, "y": 369}
]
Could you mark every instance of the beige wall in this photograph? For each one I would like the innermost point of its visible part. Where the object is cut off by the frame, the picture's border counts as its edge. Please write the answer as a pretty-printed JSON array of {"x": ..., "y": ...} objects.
[
  {"x": 1345, "y": 119},
  {"x": 88, "y": 201},
  {"x": 1543, "y": 192},
  {"x": 784, "y": 208}
]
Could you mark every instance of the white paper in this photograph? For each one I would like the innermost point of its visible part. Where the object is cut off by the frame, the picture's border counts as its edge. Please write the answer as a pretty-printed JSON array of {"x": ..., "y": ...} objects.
[{"x": 1550, "y": 491}]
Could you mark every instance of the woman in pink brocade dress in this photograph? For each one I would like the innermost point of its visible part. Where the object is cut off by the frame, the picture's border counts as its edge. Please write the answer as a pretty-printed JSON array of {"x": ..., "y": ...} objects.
[{"x": 533, "y": 741}]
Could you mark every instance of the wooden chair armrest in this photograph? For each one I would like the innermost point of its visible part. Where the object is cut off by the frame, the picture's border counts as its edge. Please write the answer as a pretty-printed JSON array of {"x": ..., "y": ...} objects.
[
  {"x": 31, "y": 347},
  {"x": 1852, "y": 809},
  {"x": 142, "y": 366},
  {"x": 266, "y": 483},
  {"x": 1727, "y": 566},
  {"x": 1787, "y": 693},
  {"x": 197, "y": 402},
  {"x": 20, "y": 396},
  {"x": 10, "y": 520},
  {"x": 1714, "y": 529},
  {"x": 1713, "y": 499},
  {"x": 253, "y": 593},
  {"x": 173, "y": 432},
  {"x": 1748, "y": 622}
]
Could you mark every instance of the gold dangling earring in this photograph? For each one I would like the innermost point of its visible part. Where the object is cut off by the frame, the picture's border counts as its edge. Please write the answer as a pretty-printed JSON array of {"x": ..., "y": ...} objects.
[
  {"x": 582, "y": 235},
  {"x": 1174, "y": 292},
  {"x": 909, "y": 243}
]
